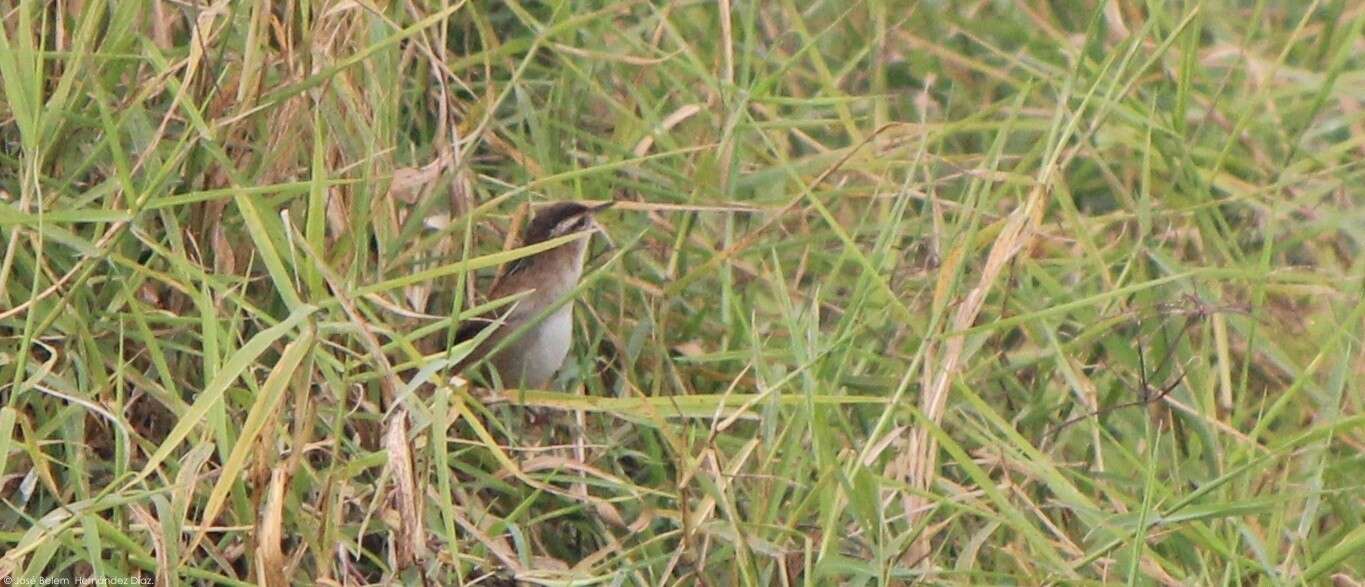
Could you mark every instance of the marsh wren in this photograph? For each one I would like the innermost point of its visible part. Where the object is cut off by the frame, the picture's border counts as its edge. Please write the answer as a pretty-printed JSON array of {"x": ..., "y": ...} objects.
[{"x": 532, "y": 359}]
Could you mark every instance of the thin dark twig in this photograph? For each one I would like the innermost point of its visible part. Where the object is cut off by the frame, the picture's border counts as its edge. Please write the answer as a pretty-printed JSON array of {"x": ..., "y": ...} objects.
[
  {"x": 1142, "y": 361},
  {"x": 1197, "y": 315}
]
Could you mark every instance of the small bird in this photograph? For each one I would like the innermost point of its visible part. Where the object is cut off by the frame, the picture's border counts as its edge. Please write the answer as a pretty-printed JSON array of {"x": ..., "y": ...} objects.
[{"x": 532, "y": 359}]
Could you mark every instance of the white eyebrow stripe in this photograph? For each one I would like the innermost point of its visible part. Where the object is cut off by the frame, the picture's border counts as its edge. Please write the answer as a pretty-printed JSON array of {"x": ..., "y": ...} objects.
[{"x": 568, "y": 224}]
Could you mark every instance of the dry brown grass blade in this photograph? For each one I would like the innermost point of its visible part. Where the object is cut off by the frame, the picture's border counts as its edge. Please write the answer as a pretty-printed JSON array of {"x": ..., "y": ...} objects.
[
  {"x": 920, "y": 461},
  {"x": 409, "y": 541},
  {"x": 164, "y": 571},
  {"x": 270, "y": 558},
  {"x": 657, "y": 207},
  {"x": 684, "y": 112},
  {"x": 497, "y": 546}
]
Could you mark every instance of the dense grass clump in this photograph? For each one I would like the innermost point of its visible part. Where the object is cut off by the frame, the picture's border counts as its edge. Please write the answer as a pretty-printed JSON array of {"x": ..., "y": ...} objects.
[{"x": 1058, "y": 292}]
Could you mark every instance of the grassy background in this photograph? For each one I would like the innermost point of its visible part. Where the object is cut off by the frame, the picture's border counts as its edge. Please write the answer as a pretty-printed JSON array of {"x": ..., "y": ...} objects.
[{"x": 972, "y": 293}]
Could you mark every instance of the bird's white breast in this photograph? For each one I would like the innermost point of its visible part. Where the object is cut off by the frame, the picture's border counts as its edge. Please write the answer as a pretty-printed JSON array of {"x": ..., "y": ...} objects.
[{"x": 533, "y": 359}]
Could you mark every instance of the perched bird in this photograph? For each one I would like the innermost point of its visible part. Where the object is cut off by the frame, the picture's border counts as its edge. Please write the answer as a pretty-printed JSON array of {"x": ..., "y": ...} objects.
[{"x": 532, "y": 359}]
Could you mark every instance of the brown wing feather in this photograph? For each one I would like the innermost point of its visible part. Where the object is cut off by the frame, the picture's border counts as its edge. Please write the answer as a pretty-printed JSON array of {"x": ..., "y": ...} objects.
[{"x": 469, "y": 329}]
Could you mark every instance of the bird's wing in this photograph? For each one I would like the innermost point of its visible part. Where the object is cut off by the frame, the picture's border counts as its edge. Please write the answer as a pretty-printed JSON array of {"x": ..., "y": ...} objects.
[
  {"x": 470, "y": 329},
  {"x": 498, "y": 319},
  {"x": 465, "y": 333},
  {"x": 474, "y": 327}
]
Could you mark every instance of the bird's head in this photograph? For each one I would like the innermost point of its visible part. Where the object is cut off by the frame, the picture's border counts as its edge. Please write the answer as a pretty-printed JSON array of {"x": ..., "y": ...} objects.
[
  {"x": 558, "y": 220},
  {"x": 563, "y": 218}
]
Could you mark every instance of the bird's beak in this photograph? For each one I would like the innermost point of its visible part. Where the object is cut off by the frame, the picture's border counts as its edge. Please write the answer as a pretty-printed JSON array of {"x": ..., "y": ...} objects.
[{"x": 611, "y": 245}]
